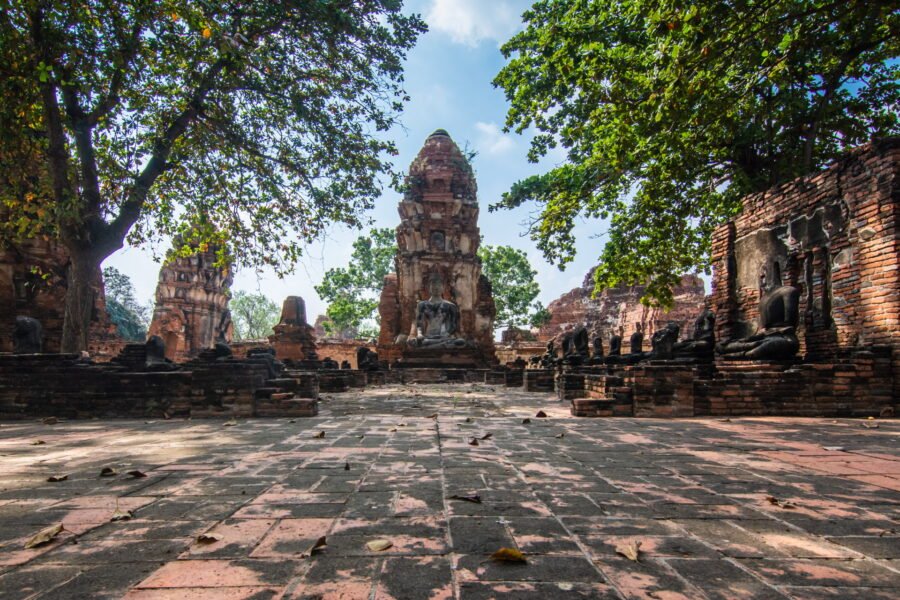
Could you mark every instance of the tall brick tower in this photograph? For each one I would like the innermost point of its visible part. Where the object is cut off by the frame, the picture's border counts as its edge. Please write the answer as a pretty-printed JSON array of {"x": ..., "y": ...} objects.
[
  {"x": 191, "y": 311},
  {"x": 437, "y": 239}
]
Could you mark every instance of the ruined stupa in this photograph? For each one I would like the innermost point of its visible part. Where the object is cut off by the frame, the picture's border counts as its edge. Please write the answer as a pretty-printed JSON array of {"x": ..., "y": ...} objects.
[{"x": 437, "y": 309}]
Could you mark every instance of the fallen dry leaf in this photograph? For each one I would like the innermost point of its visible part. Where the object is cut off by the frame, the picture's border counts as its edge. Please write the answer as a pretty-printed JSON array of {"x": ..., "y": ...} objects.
[
  {"x": 870, "y": 425},
  {"x": 57, "y": 478},
  {"x": 346, "y": 466},
  {"x": 121, "y": 515},
  {"x": 473, "y": 442},
  {"x": 319, "y": 435},
  {"x": 526, "y": 421},
  {"x": 49, "y": 420},
  {"x": 208, "y": 538},
  {"x": 772, "y": 499},
  {"x": 510, "y": 555},
  {"x": 137, "y": 474},
  {"x": 44, "y": 536},
  {"x": 560, "y": 435},
  {"x": 468, "y": 419},
  {"x": 434, "y": 416},
  {"x": 320, "y": 543},
  {"x": 392, "y": 430},
  {"x": 38, "y": 443},
  {"x": 487, "y": 436},
  {"x": 230, "y": 423},
  {"x": 541, "y": 414},
  {"x": 107, "y": 472},
  {"x": 630, "y": 550},
  {"x": 474, "y": 498},
  {"x": 379, "y": 545}
]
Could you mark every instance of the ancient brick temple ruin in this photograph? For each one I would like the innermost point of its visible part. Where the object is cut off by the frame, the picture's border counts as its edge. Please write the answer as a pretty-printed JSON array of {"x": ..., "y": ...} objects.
[
  {"x": 619, "y": 311},
  {"x": 191, "y": 312},
  {"x": 33, "y": 283},
  {"x": 437, "y": 241},
  {"x": 806, "y": 302}
]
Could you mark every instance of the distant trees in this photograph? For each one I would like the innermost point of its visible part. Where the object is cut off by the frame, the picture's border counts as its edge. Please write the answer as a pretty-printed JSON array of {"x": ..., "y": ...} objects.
[
  {"x": 253, "y": 315},
  {"x": 670, "y": 112},
  {"x": 514, "y": 287},
  {"x": 255, "y": 121},
  {"x": 130, "y": 316},
  {"x": 352, "y": 292}
]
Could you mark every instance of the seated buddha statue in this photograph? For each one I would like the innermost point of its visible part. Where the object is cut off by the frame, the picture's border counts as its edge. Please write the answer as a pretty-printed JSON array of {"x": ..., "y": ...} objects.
[
  {"x": 437, "y": 321},
  {"x": 703, "y": 341},
  {"x": 779, "y": 313}
]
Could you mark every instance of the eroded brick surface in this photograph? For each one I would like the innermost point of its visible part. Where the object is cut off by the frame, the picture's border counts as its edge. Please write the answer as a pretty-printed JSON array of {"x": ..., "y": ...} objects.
[{"x": 739, "y": 508}]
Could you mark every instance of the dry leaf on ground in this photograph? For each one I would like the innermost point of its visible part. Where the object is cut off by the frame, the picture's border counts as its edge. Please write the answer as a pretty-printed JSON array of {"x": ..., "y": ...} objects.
[
  {"x": 230, "y": 423},
  {"x": 137, "y": 474},
  {"x": 630, "y": 550},
  {"x": 560, "y": 435},
  {"x": 526, "y": 421},
  {"x": 541, "y": 414},
  {"x": 57, "y": 478},
  {"x": 346, "y": 466},
  {"x": 44, "y": 536},
  {"x": 208, "y": 538},
  {"x": 434, "y": 416},
  {"x": 319, "y": 435},
  {"x": 475, "y": 498},
  {"x": 379, "y": 545},
  {"x": 510, "y": 555},
  {"x": 868, "y": 425},
  {"x": 49, "y": 420},
  {"x": 107, "y": 472},
  {"x": 320, "y": 543},
  {"x": 487, "y": 436},
  {"x": 473, "y": 442},
  {"x": 38, "y": 443},
  {"x": 121, "y": 515}
]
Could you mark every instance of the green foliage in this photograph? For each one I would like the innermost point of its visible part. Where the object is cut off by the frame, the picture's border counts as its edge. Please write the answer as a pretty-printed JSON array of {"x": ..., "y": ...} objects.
[
  {"x": 261, "y": 121},
  {"x": 540, "y": 316},
  {"x": 253, "y": 315},
  {"x": 130, "y": 316},
  {"x": 513, "y": 284},
  {"x": 671, "y": 111},
  {"x": 352, "y": 292}
]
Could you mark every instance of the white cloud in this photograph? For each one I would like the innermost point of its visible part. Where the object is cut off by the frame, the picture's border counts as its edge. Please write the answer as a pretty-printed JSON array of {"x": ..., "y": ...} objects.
[
  {"x": 492, "y": 140},
  {"x": 471, "y": 22}
]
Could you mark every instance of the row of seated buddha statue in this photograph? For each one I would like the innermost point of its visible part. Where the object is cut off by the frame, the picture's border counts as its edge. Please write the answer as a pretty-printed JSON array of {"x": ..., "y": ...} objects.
[{"x": 775, "y": 338}]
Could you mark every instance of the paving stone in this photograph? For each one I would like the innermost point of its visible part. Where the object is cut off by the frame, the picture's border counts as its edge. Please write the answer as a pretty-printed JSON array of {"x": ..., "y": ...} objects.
[{"x": 692, "y": 492}]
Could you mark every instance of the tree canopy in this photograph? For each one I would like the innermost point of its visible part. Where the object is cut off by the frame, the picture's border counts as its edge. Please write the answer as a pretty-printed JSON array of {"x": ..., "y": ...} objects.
[
  {"x": 514, "y": 287},
  {"x": 670, "y": 112},
  {"x": 352, "y": 292},
  {"x": 253, "y": 315},
  {"x": 130, "y": 316},
  {"x": 249, "y": 121}
]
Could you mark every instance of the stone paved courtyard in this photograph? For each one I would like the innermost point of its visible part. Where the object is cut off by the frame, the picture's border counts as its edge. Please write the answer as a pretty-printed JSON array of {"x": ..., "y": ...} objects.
[{"x": 740, "y": 508}]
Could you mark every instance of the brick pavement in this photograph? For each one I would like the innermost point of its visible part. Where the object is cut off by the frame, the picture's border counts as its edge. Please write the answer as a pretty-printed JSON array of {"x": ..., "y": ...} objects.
[{"x": 741, "y": 508}]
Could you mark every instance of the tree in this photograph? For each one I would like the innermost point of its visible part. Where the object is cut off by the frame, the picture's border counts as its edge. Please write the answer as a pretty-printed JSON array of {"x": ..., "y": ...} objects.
[
  {"x": 253, "y": 315},
  {"x": 352, "y": 293},
  {"x": 255, "y": 122},
  {"x": 130, "y": 316},
  {"x": 514, "y": 287},
  {"x": 670, "y": 112}
]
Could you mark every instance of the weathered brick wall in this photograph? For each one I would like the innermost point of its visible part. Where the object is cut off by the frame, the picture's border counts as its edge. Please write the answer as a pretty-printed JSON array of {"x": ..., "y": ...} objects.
[
  {"x": 33, "y": 283},
  {"x": 62, "y": 386},
  {"x": 836, "y": 235},
  {"x": 508, "y": 353}
]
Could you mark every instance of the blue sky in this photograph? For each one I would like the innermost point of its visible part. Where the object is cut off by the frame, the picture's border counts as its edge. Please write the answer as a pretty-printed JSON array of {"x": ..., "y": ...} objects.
[{"x": 448, "y": 77}]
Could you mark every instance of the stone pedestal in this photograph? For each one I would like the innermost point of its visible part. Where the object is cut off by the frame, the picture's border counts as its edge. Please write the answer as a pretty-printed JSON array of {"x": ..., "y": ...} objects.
[{"x": 293, "y": 338}]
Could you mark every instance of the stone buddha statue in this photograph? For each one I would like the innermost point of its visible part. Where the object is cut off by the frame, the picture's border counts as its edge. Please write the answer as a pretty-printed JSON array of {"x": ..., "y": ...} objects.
[
  {"x": 703, "y": 342},
  {"x": 437, "y": 321},
  {"x": 779, "y": 313}
]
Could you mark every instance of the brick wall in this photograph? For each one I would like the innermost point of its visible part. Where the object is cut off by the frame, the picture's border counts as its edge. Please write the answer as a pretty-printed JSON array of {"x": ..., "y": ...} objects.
[{"x": 835, "y": 234}]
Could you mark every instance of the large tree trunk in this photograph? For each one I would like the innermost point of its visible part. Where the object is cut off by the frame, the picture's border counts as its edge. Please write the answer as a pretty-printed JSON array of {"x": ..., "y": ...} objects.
[{"x": 80, "y": 299}]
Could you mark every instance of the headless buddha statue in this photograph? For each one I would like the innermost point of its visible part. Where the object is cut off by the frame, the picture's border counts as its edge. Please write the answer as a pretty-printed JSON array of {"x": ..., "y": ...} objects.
[
  {"x": 779, "y": 313},
  {"x": 437, "y": 321}
]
